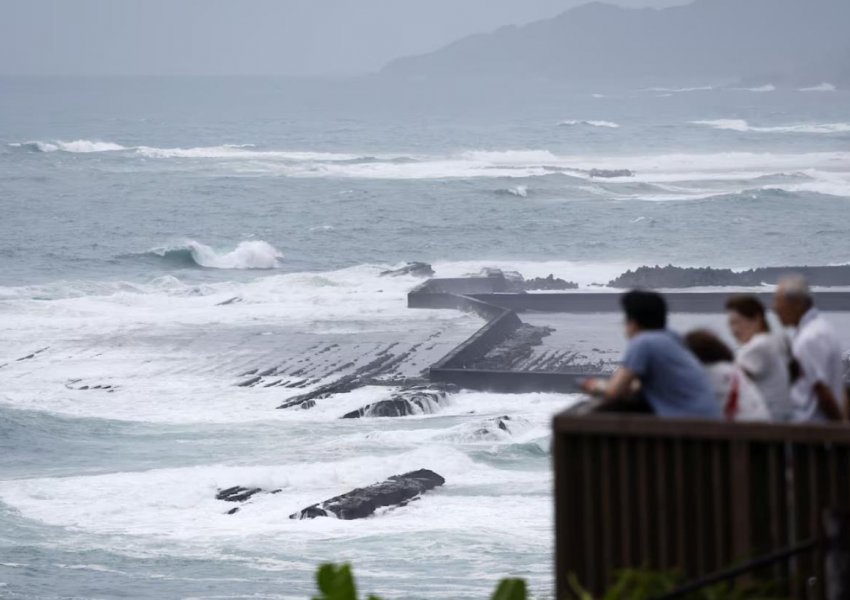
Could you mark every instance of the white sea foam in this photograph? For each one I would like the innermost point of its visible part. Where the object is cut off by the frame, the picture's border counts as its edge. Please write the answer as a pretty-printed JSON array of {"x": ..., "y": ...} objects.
[
  {"x": 75, "y": 147},
  {"x": 769, "y": 87},
  {"x": 520, "y": 191},
  {"x": 253, "y": 254},
  {"x": 605, "y": 124},
  {"x": 244, "y": 151},
  {"x": 744, "y": 126},
  {"x": 679, "y": 90},
  {"x": 823, "y": 87}
]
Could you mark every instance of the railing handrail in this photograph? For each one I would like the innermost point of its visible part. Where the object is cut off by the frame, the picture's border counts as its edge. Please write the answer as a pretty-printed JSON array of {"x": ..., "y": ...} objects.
[{"x": 636, "y": 425}]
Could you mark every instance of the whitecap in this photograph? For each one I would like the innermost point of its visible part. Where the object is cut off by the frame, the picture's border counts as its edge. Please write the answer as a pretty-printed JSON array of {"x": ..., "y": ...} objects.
[
  {"x": 823, "y": 87},
  {"x": 573, "y": 122},
  {"x": 760, "y": 89},
  {"x": 679, "y": 90},
  {"x": 252, "y": 254},
  {"x": 743, "y": 126},
  {"x": 75, "y": 146}
]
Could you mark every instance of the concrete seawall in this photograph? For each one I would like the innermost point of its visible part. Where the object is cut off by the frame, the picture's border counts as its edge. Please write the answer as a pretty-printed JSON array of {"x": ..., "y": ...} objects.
[{"x": 491, "y": 299}]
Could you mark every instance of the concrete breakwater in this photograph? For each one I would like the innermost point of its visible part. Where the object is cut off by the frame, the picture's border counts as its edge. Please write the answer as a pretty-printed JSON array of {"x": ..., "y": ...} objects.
[{"x": 494, "y": 358}]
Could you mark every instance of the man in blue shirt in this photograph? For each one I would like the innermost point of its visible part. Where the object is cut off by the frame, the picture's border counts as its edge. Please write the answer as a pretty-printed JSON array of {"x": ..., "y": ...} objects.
[{"x": 671, "y": 379}]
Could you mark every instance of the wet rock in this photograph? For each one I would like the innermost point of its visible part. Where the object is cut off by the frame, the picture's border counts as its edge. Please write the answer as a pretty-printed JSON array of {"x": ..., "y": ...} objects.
[
  {"x": 237, "y": 494},
  {"x": 240, "y": 494},
  {"x": 409, "y": 401},
  {"x": 611, "y": 173},
  {"x": 494, "y": 424},
  {"x": 684, "y": 277},
  {"x": 250, "y": 382},
  {"x": 548, "y": 283},
  {"x": 417, "y": 269},
  {"x": 33, "y": 355},
  {"x": 359, "y": 503},
  {"x": 229, "y": 301}
]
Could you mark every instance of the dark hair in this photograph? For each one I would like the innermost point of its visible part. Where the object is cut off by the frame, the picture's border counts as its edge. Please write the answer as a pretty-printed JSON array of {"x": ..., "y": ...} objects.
[
  {"x": 647, "y": 309},
  {"x": 748, "y": 306},
  {"x": 707, "y": 347}
]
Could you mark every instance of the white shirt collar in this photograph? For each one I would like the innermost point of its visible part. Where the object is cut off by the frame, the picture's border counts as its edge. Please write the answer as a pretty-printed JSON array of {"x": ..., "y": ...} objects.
[{"x": 810, "y": 316}]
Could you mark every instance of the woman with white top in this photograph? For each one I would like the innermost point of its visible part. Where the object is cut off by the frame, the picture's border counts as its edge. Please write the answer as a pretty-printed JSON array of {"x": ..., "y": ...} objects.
[
  {"x": 763, "y": 356},
  {"x": 738, "y": 396}
]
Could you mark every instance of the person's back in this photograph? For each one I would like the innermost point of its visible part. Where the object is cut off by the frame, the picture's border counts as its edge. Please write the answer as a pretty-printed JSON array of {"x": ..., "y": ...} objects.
[
  {"x": 765, "y": 359},
  {"x": 735, "y": 393},
  {"x": 672, "y": 379},
  {"x": 672, "y": 382},
  {"x": 818, "y": 351},
  {"x": 818, "y": 392}
]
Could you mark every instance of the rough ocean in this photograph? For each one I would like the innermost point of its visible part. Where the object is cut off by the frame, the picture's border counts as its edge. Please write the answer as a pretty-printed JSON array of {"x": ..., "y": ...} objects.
[{"x": 164, "y": 240}]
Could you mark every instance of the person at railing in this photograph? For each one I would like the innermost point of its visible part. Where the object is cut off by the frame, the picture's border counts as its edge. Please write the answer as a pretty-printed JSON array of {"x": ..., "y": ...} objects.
[
  {"x": 763, "y": 356},
  {"x": 818, "y": 392},
  {"x": 735, "y": 392},
  {"x": 671, "y": 380}
]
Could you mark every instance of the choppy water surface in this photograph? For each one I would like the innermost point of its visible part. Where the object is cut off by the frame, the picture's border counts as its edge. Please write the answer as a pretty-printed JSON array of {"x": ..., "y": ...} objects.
[{"x": 135, "y": 211}]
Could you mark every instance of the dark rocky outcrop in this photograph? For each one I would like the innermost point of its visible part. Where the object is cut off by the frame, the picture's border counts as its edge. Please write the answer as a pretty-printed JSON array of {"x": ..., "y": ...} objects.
[
  {"x": 417, "y": 269},
  {"x": 360, "y": 503},
  {"x": 493, "y": 425},
  {"x": 383, "y": 365},
  {"x": 409, "y": 401},
  {"x": 684, "y": 277},
  {"x": 548, "y": 283},
  {"x": 238, "y": 493}
]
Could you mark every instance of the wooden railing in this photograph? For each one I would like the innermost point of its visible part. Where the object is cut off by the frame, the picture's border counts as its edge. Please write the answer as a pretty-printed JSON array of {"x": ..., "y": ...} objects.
[{"x": 693, "y": 496}]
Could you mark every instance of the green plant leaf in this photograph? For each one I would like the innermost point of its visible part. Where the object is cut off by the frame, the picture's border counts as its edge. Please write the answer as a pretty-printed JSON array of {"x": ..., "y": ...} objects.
[
  {"x": 335, "y": 582},
  {"x": 577, "y": 589},
  {"x": 510, "y": 589}
]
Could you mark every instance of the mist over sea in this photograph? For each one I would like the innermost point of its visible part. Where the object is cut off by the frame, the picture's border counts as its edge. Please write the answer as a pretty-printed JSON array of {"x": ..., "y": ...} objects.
[{"x": 160, "y": 237}]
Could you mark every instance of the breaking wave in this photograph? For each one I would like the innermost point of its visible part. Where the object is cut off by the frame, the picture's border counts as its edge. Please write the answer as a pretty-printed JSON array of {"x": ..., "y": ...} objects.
[
  {"x": 744, "y": 126},
  {"x": 254, "y": 254},
  {"x": 823, "y": 87},
  {"x": 520, "y": 191},
  {"x": 699, "y": 88},
  {"x": 76, "y": 146},
  {"x": 573, "y": 123},
  {"x": 760, "y": 88}
]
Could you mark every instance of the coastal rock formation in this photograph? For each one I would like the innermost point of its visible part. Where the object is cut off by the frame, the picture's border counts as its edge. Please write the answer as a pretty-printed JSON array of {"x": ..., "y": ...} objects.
[
  {"x": 359, "y": 503},
  {"x": 238, "y": 493},
  {"x": 417, "y": 269},
  {"x": 684, "y": 277},
  {"x": 548, "y": 283},
  {"x": 494, "y": 425},
  {"x": 409, "y": 401}
]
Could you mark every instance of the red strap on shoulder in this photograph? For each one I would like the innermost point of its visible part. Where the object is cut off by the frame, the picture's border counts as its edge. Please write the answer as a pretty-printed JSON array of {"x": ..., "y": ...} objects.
[{"x": 731, "y": 409}]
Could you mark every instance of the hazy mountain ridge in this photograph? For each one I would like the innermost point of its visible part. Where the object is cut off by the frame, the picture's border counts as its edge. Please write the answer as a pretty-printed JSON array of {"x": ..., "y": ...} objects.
[{"x": 796, "y": 42}]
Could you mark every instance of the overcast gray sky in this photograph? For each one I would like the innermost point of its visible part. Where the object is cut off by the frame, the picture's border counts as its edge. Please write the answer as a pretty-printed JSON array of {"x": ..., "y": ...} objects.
[{"x": 247, "y": 37}]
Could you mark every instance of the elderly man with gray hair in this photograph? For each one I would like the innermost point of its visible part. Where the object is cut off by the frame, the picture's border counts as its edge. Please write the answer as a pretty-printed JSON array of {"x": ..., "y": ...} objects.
[{"x": 818, "y": 393}]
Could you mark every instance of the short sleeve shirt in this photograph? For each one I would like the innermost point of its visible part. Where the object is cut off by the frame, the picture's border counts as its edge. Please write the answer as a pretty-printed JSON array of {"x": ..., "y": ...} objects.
[
  {"x": 765, "y": 359},
  {"x": 818, "y": 351},
  {"x": 672, "y": 379}
]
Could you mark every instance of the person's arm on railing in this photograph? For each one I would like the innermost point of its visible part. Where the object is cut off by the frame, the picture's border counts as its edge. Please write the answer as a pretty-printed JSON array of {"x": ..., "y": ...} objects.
[
  {"x": 828, "y": 403},
  {"x": 619, "y": 386}
]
